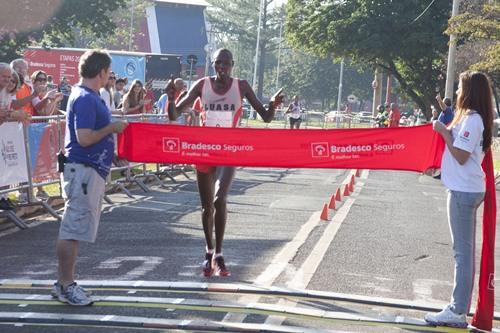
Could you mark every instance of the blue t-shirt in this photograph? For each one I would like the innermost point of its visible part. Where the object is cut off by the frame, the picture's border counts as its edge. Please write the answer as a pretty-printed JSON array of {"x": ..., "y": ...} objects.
[
  {"x": 161, "y": 103},
  {"x": 446, "y": 116},
  {"x": 86, "y": 109}
]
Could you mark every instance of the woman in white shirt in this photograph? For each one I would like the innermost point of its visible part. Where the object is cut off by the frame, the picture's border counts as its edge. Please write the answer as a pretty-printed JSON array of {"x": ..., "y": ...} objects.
[
  {"x": 107, "y": 93},
  {"x": 467, "y": 138}
]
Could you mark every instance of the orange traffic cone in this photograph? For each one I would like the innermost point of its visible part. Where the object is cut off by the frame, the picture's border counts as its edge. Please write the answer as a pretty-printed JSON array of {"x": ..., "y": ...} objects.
[
  {"x": 324, "y": 213},
  {"x": 338, "y": 197},
  {"x": 351, "y": 184},
  {"x": 331, "y": 204},
  {"x": 358, "y": 172},
  {"x": 346, "y": 190}
]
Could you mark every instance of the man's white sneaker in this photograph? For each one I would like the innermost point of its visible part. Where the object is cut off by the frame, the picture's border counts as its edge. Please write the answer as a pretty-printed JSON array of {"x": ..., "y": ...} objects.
[
  {"x": 74, "y": 295},
  {"x": 57, "y": 290},
  {"x": 446, "y": 318}
]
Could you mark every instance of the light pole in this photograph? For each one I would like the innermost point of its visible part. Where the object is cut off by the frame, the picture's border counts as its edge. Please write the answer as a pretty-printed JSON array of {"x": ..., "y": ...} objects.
[
  {"x": 257, "y": 49},
  {"x": 377, "y": 90},
  {"x": 279, "y": 57},
  {"x": 452, "y": 49},
  {"x": 339, "y": 96}
]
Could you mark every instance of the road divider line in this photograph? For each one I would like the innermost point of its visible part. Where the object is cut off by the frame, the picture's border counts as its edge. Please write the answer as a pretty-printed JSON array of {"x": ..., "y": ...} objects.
[
  {"x": 280, "y": 262},
  {"x": 306, "y": 272}
]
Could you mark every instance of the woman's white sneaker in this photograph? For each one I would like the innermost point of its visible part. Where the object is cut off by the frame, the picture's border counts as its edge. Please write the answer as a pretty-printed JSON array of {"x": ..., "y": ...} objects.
[{"x": 446, "y": 318}]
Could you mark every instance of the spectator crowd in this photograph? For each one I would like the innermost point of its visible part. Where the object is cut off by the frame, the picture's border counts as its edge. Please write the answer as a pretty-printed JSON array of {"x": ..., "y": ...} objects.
[{"x": 25, "y": 94}]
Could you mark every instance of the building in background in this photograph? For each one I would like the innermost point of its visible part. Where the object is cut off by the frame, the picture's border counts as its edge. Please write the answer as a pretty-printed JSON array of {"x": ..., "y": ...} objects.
[{"x": 176, "y": 27}]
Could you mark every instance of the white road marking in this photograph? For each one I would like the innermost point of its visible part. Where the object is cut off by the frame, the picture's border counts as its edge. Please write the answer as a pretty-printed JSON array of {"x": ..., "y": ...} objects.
[
  {"x": 280, "y": 262},
  {"x": 311, "y": 264},
  {"x": 148, "y": 264}
]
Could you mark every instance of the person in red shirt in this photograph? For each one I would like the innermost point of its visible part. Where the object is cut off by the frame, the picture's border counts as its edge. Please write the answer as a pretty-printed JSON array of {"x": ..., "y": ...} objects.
[
  {"x": 180, "y": 92},
  {"x": 149, "y": 97},
  {"x": 394, "y": 115},
  {"x": 180, "y": 88},
  {"x": 26, "y": 93}
]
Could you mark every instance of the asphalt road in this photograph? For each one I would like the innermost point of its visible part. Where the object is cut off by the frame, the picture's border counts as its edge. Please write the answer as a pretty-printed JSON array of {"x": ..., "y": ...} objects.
[{"x": 388, "y": 240}]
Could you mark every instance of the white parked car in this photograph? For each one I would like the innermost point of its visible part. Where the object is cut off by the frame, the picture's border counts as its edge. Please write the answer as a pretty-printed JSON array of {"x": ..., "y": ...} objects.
[
  {"x": 333, "y": 115},
  {"x": 365, "y": 117}
]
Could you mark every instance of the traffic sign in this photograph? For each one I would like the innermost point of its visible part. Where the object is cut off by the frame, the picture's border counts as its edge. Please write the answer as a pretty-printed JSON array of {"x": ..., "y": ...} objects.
[
  {"x": 192, "y": 59},
  {"x": 352, "y": 98}
]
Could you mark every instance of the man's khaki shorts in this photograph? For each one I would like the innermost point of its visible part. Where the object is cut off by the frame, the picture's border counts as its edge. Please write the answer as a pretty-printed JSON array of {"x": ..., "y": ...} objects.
[{"x": 83, "y": 190}]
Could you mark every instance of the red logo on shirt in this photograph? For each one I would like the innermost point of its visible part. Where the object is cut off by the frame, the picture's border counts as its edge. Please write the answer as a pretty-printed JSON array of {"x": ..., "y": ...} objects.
[{"x": 466, "y": 134}]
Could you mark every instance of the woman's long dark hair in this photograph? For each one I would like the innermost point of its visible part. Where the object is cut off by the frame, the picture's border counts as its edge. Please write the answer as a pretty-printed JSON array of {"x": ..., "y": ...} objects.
[
  {"x": 475, "y": 93},
  {"x": 130, "y": 95}
]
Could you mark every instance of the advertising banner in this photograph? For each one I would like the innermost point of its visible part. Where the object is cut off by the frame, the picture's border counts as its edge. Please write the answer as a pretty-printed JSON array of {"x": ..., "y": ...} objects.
[
  {"x": 415, "y": 148},
  {"x": 159, "y": 68},
  {"x": 13, "y": 168},
  {"x": 55, "y": 62},
  {"x": 133, "y": 67},
  {"x": 406, "y": 148},
  {"x": 44, "y": 145}
]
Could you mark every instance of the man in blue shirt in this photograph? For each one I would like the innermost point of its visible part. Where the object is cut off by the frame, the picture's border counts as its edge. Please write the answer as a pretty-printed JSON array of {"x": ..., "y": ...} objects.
[
  {"x": 89, "y": 148},
  {"x": 446, "y": 115}
]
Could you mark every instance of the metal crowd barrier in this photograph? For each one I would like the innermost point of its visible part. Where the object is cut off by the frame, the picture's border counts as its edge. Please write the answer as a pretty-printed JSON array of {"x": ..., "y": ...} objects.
[
  {"x": 314, "y": 119},
  {"x": 318, "y": 119},
  {"x": 57, "y": 124}
]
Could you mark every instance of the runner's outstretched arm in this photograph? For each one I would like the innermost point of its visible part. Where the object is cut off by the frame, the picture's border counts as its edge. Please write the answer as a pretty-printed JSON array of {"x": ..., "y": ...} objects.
[
  {"x": 267, "y": 115},
  {"x": 175, "y": 109}
]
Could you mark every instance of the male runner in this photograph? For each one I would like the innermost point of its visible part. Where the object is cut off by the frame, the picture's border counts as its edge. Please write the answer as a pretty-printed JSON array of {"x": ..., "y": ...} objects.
[{"x": 221, "y": 98}]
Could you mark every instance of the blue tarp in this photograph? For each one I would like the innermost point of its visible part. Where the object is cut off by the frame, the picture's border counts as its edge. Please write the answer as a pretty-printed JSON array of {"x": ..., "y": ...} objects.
[{"x": 129, "y": 66}]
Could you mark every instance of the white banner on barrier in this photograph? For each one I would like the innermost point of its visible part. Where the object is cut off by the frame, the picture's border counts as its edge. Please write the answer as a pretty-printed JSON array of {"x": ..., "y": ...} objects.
[{"x": 13, "y": 167}]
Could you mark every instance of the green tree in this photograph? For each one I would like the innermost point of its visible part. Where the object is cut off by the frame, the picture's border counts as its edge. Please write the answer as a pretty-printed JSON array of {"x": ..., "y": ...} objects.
[
  {"x": 402, "y": 37},
  {"x": 123, "y": 36},
  {"x": 316, "y": 79},
  {"x": 234, "y": 24},
  {"x": 481, "y": 28},
  {"x": 53, "y": 23}
]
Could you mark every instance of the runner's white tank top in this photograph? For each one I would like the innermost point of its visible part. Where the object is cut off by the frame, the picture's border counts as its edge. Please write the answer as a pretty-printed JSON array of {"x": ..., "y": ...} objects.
[
  {"x": 295, "y": 114},
  {"x": 221, "y": 110}
]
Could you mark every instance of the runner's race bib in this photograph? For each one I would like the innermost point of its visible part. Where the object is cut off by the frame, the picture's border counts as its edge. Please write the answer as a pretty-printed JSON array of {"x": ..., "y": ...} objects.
[{"x": 219, "y": 119}]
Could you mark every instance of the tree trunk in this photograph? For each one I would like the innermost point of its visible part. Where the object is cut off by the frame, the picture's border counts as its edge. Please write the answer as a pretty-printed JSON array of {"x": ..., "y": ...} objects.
[{"x": 422, "y": 101}]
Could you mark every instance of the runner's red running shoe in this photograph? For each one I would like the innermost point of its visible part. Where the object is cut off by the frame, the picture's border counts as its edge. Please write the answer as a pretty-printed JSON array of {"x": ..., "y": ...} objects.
[
  {"x": 219, "y": 267},
  {"x": 207, "y": 265}
]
